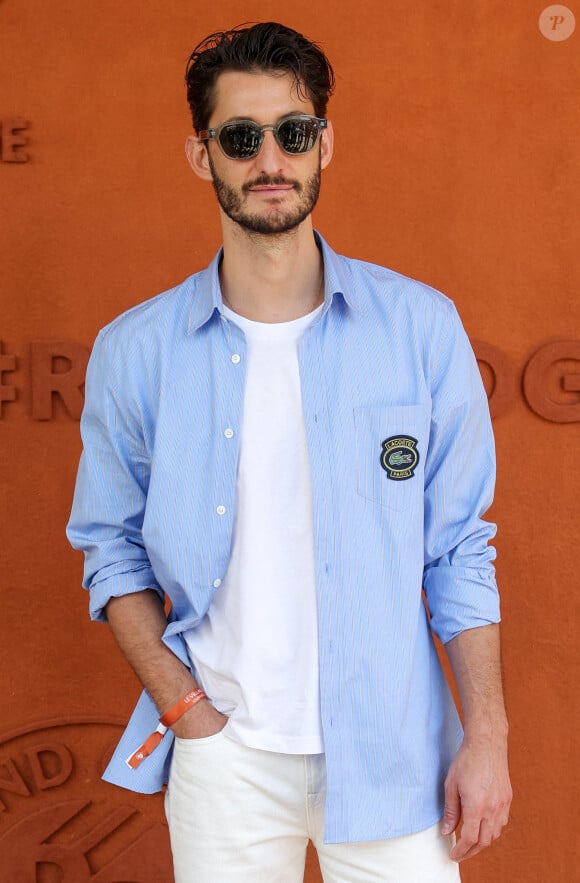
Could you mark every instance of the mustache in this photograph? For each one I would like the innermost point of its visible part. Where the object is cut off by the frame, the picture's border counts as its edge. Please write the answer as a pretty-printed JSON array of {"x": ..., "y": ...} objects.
[{"x": 270, "y": 181}]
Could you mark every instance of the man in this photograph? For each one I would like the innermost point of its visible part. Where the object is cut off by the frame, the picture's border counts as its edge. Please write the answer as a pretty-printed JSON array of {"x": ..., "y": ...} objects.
[{"x": 287, "y": 447}]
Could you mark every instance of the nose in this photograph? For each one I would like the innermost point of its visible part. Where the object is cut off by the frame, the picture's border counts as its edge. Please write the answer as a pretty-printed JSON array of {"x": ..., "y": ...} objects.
[{"x": 270, "y": 159}]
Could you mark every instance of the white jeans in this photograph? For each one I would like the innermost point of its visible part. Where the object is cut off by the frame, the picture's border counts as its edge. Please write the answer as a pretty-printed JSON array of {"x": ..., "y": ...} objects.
[{"x": 239, "y": 814}]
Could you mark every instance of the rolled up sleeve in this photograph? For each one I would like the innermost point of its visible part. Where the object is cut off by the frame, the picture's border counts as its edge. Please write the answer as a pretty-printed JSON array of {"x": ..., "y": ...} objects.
[
  {"x": 459, "y": 576},
  {"x": 111, "y": 489}
]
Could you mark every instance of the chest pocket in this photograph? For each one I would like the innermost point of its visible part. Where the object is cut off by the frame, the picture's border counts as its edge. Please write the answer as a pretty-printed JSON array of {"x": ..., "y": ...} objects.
[{"x": 391, "y": 446}]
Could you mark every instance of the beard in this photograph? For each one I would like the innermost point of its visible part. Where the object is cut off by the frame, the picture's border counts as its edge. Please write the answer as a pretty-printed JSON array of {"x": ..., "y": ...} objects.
[{"x": 276, "y": 219}]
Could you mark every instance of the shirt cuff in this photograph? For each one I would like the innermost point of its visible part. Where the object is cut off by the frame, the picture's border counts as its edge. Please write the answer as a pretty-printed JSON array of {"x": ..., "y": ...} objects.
[
  {"x": 460, "y": 598},
  {"x": 115, "y": 585}
]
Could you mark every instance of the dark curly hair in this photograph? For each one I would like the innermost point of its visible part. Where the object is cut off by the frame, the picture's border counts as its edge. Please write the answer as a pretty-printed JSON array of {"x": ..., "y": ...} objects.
[{"x": 267, "y": 46}]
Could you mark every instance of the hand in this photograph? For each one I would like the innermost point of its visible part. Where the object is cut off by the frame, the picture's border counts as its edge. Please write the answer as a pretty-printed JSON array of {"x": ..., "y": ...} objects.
[
  {"x": 477, "y": 787},
  {"x": 199, "y": 721}
]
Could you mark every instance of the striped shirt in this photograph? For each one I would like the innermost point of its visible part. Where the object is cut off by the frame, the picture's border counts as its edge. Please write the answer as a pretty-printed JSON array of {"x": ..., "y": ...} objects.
[{"x": 402, "y": 466}]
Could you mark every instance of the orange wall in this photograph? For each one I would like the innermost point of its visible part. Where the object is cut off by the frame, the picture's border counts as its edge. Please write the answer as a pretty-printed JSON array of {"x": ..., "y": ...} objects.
[{"x": 457, "y": 163}]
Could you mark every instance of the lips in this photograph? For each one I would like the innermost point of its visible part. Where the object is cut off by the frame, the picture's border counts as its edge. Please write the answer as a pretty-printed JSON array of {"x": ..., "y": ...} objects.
[
  {"x": 271, "y": 190},
  {"x": 271, "y": 186}
]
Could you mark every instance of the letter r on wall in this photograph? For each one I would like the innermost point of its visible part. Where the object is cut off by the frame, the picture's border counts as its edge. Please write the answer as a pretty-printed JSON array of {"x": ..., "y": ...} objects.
[{"x": 46, "y": 380}]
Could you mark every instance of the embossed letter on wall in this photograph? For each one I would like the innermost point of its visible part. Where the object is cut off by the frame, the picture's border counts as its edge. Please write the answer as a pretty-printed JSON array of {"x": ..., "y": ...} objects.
[
  {"x": 57, "y": 366},
  {"x": 552, "y": 381},
  {"x": 12, "y": 140},
  {"x": 59, "y": 821}
]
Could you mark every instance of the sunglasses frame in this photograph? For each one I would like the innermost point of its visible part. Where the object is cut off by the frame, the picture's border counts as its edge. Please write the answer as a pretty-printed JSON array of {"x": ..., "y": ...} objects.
[{"x": 214, "y": 134}]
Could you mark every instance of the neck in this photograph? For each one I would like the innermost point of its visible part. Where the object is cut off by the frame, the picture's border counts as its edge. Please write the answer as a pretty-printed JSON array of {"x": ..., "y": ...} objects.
[{"x": 273, "y": 278}]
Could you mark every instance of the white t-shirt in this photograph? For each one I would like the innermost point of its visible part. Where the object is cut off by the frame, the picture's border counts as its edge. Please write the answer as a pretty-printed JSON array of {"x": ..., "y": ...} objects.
[{"x": 256, "y": 651}]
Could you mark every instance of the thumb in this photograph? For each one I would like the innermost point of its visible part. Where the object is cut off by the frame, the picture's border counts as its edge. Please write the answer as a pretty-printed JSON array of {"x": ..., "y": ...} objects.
[{"x": 452, "y": 811}]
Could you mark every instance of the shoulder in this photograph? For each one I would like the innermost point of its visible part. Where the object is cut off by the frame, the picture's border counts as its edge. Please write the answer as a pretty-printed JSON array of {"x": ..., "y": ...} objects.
[
  {"x": 383, "y": 293},
  {"x": 154, "y": 317},
  {"x": 382, "y": 282},
  {"x": 374, "y": 286}
]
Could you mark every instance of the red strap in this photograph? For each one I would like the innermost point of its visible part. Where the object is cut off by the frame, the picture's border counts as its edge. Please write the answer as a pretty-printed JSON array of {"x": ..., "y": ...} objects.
[
  {"x": 149, "y": 745},
  {"x": 165, "y": 721},
  {"x": 178, "y": 710}
]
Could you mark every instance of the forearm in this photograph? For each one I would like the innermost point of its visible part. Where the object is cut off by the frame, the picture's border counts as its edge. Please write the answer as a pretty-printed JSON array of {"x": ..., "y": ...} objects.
[
  {"x": 138, "y": 622},
  {"x": 476, "y": 662},
  {"x": 478, "y": 783}
]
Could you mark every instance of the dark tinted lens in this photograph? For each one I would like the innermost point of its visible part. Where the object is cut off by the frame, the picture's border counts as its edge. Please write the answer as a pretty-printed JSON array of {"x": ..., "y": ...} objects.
[
  {"x": 298, "y": 136},
  {"x": 240, "y": 140}
]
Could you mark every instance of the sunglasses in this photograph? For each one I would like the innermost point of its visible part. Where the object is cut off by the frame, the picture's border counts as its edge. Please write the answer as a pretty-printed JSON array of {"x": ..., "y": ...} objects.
[{"x": 242, "y": 139}]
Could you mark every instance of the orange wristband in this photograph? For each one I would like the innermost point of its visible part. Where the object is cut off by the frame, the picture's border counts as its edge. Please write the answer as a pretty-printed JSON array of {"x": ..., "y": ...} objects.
[
  {"x": 165, "y": 721},
  {"x": 178, "y": 710}
]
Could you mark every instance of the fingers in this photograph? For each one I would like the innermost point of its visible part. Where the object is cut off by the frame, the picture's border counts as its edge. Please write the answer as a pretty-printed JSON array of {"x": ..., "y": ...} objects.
[
  {"x": 478, "y": 789},
  {"x": 468, "y": 842},
  {"x": 452, "y": 811},
  {"x": 475, "y": 836}
]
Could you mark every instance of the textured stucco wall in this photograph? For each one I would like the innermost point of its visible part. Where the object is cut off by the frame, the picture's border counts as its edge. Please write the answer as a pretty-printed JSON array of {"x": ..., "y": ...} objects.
[{"x": 457, "y": 163}]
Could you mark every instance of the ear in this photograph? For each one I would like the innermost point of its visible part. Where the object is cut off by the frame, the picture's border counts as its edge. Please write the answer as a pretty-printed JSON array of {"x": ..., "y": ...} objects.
[
  {"x": 196, "y": 152},
  {"x": 326, "y": 145}
]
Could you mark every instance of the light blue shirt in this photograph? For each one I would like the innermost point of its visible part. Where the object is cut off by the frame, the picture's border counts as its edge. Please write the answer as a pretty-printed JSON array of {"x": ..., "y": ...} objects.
[{"x": 402, "y": 466}]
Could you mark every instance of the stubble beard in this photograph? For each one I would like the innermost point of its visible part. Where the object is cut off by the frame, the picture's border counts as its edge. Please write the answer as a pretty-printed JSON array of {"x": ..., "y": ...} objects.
[{"x": 276, "y": 220}]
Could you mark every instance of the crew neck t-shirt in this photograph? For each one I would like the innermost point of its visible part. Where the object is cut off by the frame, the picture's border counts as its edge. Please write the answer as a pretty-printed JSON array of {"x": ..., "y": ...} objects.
[{"x": 255, "y": 653}]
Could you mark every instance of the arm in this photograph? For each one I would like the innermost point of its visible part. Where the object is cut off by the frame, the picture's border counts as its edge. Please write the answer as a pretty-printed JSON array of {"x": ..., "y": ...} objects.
[
  {"x": 478, "y": 784},
  {"x": 138, "y": 622},
  {"x": 106, "y": 523},
  {"x": 461, "y": 589}
]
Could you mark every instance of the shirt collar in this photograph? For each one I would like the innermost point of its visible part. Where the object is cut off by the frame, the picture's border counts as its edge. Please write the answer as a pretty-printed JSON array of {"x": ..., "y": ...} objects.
[{"x": 207, "y": 296}]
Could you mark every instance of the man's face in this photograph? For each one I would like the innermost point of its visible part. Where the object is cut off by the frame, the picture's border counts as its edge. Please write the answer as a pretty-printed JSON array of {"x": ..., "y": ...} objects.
[{"x": 273, "y": 192}]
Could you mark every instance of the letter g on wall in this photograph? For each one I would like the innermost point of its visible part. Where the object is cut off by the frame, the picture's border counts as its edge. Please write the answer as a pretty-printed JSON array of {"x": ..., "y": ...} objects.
[{"x": 552, "y": 370}]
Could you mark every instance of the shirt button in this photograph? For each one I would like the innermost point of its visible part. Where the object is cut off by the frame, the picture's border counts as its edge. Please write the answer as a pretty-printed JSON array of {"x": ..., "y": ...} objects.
[
  {"x": 217, "y": 583},
  {"x": 221, "y": 510},
  {"x": 229, "y": 433},
  {"x": 235, "y": 358}
]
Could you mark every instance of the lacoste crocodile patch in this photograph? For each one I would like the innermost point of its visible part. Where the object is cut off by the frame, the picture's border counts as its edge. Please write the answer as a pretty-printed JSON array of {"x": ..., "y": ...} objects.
[{"x": 399, "y": 457}]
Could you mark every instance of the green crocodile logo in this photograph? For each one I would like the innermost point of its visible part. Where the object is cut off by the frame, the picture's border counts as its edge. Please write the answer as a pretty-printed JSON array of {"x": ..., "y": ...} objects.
[{"x": 399, "y": 457}]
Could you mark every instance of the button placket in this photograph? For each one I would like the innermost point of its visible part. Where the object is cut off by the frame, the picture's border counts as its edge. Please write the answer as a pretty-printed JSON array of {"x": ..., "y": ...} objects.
[{"x": 228, "y": 417}]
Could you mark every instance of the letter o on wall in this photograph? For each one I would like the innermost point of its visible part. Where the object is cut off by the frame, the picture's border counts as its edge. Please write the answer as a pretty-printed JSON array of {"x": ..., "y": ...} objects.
[
  {"x": 552, "y": 370},
  {"x": 503, "y": 383}
]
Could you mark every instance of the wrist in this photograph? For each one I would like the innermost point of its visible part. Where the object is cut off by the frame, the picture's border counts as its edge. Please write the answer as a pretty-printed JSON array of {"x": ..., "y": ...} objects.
[
  {"x": 202, "y": 721},
  {"x": 168, "y": 719},
  {"x": 487, "y": 727},
  {"x": 193, "y": 718},
  {"x": 185, "y": 704}
]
